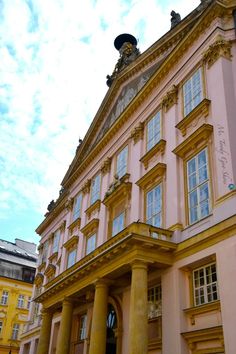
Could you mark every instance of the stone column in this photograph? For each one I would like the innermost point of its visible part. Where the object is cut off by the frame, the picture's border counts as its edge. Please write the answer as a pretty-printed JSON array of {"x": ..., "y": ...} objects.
[
  {"x": 138, "y": 318},
  {"x": 63, "y": 341},
  {"x": 45, "y": 332},
  {"x": 99, "y": 319}
]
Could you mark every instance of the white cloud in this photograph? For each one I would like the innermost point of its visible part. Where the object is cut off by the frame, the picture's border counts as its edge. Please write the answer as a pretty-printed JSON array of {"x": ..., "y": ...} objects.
[{"x": 55, "y": 56}]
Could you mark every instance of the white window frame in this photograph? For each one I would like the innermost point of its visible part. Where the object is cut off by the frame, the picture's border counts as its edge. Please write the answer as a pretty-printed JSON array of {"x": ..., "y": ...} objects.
[
  {"x": 118, "y": 223},
  {"x": 154, "y": 130},
  {"x": 122, "y": 162},
  {"x": 4, "y": 298},
  {"x": 151, "y": 211},
  {"x": 71, "y": 261},
  {"x": 15, "y": 331},
  {"x": 205, "y": 285},
  {"x": 193, "y": 91},
  {"x": 197, "y": 189},
  {"x": 21, "y": 301},
  {"x": 56, "y": 241},
  {"x": 82, "y": 327},
  {"x": 95, "y": 188},
  {"x": 154, "y": 301},
  {"x": 77, "y": 206},
  {"x": 91, "y": 243}
]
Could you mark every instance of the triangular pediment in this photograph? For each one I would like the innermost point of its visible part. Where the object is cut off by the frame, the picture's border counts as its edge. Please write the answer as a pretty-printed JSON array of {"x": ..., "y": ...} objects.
[{"x": 130, "y": 84}]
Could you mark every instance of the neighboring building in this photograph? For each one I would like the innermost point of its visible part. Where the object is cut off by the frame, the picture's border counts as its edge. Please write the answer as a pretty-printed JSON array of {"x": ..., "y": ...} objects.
[
  {"x": 138, "y": 254},
  {"x": 17, "y": 271}
]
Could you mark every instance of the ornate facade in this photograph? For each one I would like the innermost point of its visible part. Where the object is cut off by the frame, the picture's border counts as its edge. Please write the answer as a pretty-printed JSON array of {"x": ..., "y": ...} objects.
[{"x": 137, "y": 255}]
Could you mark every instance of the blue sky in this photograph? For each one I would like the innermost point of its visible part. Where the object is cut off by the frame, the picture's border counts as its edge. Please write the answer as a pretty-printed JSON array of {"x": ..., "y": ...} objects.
[{"x": 55, "y": 55}]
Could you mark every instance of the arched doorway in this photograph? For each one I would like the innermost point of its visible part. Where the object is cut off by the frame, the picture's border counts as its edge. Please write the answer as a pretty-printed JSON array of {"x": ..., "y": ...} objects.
[{"x": 111, "y": 326}]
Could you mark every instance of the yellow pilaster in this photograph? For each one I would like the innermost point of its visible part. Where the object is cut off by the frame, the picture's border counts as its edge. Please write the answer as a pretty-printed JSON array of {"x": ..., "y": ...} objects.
[
  {"x": 45, "y": 332},
  {"x": 63, "y": 342},
  {"x": 98, "y": 330},
  {"x": 138, "y": 322}
]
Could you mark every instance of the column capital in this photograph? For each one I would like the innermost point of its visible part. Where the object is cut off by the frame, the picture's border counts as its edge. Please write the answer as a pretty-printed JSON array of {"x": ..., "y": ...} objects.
[
  {"x": 46, "y": 312},
  {"x": 67, "y": 301},
  {"x": 102, "y": 282},
  {"x": 139, "y": 264}
]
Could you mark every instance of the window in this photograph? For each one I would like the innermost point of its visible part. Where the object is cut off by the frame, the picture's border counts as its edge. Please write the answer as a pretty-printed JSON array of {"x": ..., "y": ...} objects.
[
  {"x": 198, "y": 187},
  {"x": 4, "y": 298},
  {"x": 154, "y": 301},
  {"x": 154, "y": 131},
  {"x": 118, "y": 223},
  {"x": 154, "y": 206},
  {"x": 71, "y": 258},
  {"x": 15, "y": 331},
  {"x": 82, "y": 327},
  {"x": 91, "y": 244},
  {"x": 205, "y": 284},
  {"x": 45, "y": 251},
  {"x": 77, "y": 206},
  {"x": 1, "y": 325},
  {"x": 20, "y": 302},
  {"x": 95, "y": 188},
  {"x": 192, "y": 92},
  {"x": 121, "y": 164},
  {"x": 56, "y": 240},
  {"x": 28, "y": 302}
]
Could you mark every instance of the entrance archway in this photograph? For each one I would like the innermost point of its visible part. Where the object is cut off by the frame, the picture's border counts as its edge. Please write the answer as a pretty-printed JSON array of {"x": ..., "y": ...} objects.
[{"x": 111, "y": 344}]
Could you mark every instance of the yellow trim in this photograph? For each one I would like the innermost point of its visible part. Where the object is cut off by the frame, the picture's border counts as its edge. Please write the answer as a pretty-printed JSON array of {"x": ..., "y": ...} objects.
[
  {"x": 93, "y": 207},
  {"x": 50, "y": 270},
  {"x": 177, "y": 226},
  {"x": 71, "y": 243},
  {"x": 225, "y": 197},
  {"x": 90, "y": 227},
  {"x": 75, "y": 223},
  {"x": 122, "y": 191},
  {"x": 206, "y": 238},
  {"x": 53, "y": 256},
  {"x": 195, "y": 141},
  {"x": 199, "y": 310},
  {"x": 152, "y": 176},
  {"x": 157, "y": 149},
  {"x": 202, "y": 109}
]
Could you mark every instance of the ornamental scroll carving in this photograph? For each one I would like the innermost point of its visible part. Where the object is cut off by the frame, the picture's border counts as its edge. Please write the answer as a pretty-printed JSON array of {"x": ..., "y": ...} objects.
[
  {"x": 106, "y": 167},
  {"x": 69, "y": 204},
  {"x": 221, "y": 48},
  {"x": 170, "y": 98},
  {"x": 137, "y": 132},
  {"x": 86, "y": 186}
]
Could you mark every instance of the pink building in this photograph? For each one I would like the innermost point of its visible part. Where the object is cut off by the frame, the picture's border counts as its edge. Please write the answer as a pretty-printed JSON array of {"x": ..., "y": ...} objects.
[{"x": 138, "y": 254}]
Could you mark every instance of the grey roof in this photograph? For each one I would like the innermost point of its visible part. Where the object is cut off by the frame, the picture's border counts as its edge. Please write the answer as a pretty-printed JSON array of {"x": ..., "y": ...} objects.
[{"x": 11, "y": 252}]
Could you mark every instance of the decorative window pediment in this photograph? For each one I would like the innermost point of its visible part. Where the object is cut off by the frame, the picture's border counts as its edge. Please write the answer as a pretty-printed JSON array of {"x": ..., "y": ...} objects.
[
  {"x": 50, "y": 270},
  {"x": 196, "y": 140},
  {"x": 72, "y": 242},
  {"x": 151, "y": 176},
  {"x": 120, "y": 189},
  {"x": 95, "y": 207},
  {"x": 157, "y": 149},
  {"x": 38, "y": 279},
  {"x": 220, "y": 48},
  {"x": 91, "y": 227}
]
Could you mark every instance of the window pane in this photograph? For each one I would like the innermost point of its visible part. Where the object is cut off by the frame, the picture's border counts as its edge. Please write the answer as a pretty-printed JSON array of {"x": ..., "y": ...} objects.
[
  {"x": 118, "y": 224},
  {"x": 91, "y": 244},
  {"x": 192, "y": 90},
  {"x": 154, "y": 131},
  {"x": 71, "y": 258},
  {"x": 77, "y": 206},
  {"x": 154, "y": 206},
  {"x": 121, "y": 167},
  {"x": 95, "y": 188}
]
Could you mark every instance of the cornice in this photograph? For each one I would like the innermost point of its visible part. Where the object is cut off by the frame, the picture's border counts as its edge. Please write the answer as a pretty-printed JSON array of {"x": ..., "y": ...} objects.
[
  {"x": 122, "y": 190},
  {"x": 157, "y": 149},
  {"x": 90, "y": 227},
  {"x": 199, "y": 138},
  {"x": 75, "y": 223},
  {"x": 73, "y": 241},
  {"x": 50, "y": 270},
  {"x": 199, "y": 310},
  {"x": 207, "y": 334},
  {"x": 220, "y": 48},
  {"x": 38, "y": 279},
  {"x": 156, "y": 172},
  {"x": 202, "y": 109},
  {"x": 53, "y": 256},
  {"x": 93, "y": 207}
]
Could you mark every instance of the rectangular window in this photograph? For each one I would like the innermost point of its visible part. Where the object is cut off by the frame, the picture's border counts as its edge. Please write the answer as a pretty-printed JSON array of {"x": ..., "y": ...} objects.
[
  {"x": 20, "y": 302},
  {"x": 154, "y": 301},
  {"x": 77, "y": 206},
  {"x": 1, "y": 325},
  {"x": 121, "y": 163},
  {"x": 45, "y": 251},
  {"x": 154, "y": 206},
  {"x": 95, "y": 188},
  {"x": 193, "y": 92},
  {"x": 205, "y": 284},
  {"x": 91, "y": 244},
  {"x": 28, "y": 302},
  {"x": 15, "y": 331},
  {"x": 82, "y": 327},
  {"x": 154, "y": 131},
  {"x": 198, "y": 187},
  {"x": 71, "y": 258},
  {"x": 118, "y": 224},
  {"x": 4, "y": 298},
  {"x": 56, "y": 240}
]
